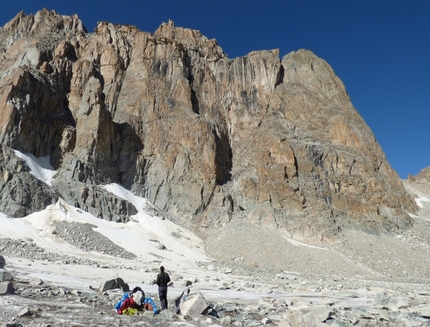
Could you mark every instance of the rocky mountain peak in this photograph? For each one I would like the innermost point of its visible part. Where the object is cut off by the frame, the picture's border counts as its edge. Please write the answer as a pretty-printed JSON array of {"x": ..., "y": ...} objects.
[
  {"x": 208, "y": 140},
  {"x": 422, "y": 177},
  {"x": 45, "y": 23},
  {"x": 192, "y": 40}
]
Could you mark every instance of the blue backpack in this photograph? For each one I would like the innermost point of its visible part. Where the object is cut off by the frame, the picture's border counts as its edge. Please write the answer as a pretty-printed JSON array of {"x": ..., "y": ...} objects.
[
  {"x": 152, "y": 303},
  {"x": 120, "y": 302}
]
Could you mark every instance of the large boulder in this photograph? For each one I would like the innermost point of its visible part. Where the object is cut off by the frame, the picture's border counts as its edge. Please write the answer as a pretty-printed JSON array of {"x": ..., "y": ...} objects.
[{"x": 194, "y": 304}]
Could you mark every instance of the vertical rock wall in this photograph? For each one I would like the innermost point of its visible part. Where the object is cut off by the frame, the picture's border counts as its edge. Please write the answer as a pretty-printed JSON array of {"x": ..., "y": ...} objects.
[{"x": 205, "y": 138}]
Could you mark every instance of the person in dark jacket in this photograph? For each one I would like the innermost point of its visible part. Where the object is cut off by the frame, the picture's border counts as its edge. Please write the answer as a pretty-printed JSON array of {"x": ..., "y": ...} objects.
[{"x": 162, "y": 281}]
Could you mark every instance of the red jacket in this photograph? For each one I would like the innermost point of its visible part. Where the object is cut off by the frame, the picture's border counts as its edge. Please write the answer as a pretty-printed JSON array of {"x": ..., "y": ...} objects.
[{"x": 128, "y": 303}]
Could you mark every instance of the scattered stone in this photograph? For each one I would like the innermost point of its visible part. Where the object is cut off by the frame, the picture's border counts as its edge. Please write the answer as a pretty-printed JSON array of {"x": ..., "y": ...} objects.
[
  {"x": 287, "y": 276},
  {"x": 25, "y": 312},
  {"x": 36, "y": 282},
  {"x": 266, "y": 321},
  {"x": 322, "y": 313},
  {"x": 5, "y": 275},
  {"x": 6, "y": 287},
  {"x": 225, "y": 320},
  {"x": 334, "y": 323},
  {"x": 402, "y": 304},
  {"x": 383, "y": 315},
  {"x": 161, "y": 247},
  {"x": 148, "y": 313},
  {"x": 167, "y": 314},
  {"x": 425, "y": 311}
]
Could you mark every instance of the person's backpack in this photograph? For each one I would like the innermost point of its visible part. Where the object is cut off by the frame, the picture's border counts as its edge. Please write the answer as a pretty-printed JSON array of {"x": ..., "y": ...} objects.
[
  {"x": 149, "y": 304},
  {"x": 120, "y": 302}
]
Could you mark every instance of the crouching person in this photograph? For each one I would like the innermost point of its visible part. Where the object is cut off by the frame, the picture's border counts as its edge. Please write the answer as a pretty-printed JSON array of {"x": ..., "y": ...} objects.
[
  {"x": 130, "y": 303},
  {"x": 135, "y": 301}
]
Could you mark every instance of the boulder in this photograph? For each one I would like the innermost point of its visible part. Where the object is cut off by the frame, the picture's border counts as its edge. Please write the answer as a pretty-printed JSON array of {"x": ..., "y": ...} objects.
[
  {"x": 167, "y": 314},
  {"x": 5, "y": 275},
  {"x": 296, "y": 319},
  {"x": 194, "y": 304},
  {"x": 321, "y": 313},
  {"x": 25, "y": 312},
  {"x": 114, "y": 284},
  {"x": 2, "y": 262},
  {"x": 36, "y": 282},
  {"x": 424, "y": 311},
  {"x": 6, "y": 287}
]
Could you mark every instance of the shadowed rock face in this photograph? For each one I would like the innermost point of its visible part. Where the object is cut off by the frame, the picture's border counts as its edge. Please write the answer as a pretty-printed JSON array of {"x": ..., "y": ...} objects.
[{"x": 205, "y": 138}]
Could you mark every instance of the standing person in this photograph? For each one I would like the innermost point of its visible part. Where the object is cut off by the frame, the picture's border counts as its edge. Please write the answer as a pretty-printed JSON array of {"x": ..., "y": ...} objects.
[{"x": 162, "y": 280}]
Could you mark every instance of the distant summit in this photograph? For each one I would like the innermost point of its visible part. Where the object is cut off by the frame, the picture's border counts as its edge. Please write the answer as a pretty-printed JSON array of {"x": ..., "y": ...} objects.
[
  {"x": 422, "y": 176},
  {"x": 208, "y": 140}
]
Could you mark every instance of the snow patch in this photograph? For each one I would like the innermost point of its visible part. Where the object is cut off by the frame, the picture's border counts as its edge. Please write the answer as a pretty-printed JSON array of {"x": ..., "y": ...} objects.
[
  {"x": 155, "y": 228},
  {"x": 39, "y": 167},
  {"x": 144, "y": 235},
  {"x": 125, "y": 194},
  {"x": 297, "y": 243},
  {"x": 420, "y": 200}
]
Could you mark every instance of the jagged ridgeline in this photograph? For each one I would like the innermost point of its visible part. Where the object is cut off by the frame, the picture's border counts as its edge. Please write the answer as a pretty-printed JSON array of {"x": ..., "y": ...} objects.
[{"x": 207, "y": 139}]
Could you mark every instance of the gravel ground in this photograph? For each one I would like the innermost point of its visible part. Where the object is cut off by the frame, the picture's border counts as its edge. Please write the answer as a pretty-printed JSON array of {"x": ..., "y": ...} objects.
[
  {"x": 84, "y": 237},
  {"x": 28, "y": 249},
  {"x": 363, "y": 280},
  {"x": 401, "y": 257}
]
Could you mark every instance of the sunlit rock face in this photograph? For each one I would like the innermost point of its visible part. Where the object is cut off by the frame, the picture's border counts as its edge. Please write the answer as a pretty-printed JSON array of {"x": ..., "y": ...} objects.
[{"x": 207, "y": 139}]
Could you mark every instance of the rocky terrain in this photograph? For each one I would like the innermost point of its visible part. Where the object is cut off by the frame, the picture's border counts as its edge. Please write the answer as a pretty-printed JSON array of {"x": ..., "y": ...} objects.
[
  {"x": 287, "y": 300},
  {"x": 253, "y": 179},
  {"x": 363, "y": 280}
]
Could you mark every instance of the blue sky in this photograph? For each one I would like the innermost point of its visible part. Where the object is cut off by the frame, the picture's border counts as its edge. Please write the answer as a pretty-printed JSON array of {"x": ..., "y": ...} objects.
[{"x": 380, "y": 49}]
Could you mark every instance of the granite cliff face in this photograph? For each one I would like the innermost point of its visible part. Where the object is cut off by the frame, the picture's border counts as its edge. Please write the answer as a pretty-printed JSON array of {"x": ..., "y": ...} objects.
[{"x": 207, "y": 139}]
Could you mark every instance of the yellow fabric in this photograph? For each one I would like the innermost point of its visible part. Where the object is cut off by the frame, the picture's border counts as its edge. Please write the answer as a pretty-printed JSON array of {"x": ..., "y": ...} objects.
[{"x": 129, "y": 311}]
